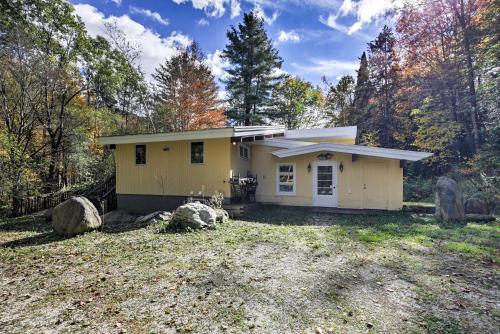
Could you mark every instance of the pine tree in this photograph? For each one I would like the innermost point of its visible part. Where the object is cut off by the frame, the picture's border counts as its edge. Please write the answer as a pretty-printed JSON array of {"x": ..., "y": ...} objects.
[
  {"x": 252, "y": 75},
  {"x": 186, "y": 94},
  {"x": 384, "y": 72},
  {"x": 361, "y": 96}
]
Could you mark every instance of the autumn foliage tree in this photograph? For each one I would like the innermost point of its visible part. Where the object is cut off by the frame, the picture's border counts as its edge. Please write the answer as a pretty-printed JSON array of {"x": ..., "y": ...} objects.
[{"x": 186, "y": 94}]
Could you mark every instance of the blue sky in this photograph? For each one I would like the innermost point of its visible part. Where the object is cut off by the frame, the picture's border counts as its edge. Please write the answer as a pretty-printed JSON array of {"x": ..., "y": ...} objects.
[{"x": 314, "y": 37}]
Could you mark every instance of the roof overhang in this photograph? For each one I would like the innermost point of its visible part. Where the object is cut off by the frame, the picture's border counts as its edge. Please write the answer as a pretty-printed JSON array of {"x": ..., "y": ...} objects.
[
  {"x": 283, "y": 143},
  {"x": 353, "y": 149},
  {"x": 322, "y": 133},
  {"x": 230, "y": 132}
]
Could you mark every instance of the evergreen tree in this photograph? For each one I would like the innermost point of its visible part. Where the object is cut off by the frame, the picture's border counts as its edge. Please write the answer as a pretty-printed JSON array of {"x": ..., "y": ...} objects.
[
  {"x": 361, "y": 96},
  {"x": 252, "y": 76},
  {"x": 384, "y": 72}
]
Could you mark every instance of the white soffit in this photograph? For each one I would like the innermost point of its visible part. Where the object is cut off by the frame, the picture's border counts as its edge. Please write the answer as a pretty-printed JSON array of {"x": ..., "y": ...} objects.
[
  {"x": 340, "y": 132},
  {"x": 354, "y": 149}
]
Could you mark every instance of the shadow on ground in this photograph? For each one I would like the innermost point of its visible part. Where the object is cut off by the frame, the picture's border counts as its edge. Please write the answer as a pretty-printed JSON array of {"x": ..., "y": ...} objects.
[{"x": 46, "y": 235}]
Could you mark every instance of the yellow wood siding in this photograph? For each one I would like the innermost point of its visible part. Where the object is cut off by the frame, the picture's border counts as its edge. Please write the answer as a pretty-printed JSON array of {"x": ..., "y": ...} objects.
[
  {"x": 350, "y": 188},
  {"x": 240, "y": 166},
  {"x": 168, "y": 170}
]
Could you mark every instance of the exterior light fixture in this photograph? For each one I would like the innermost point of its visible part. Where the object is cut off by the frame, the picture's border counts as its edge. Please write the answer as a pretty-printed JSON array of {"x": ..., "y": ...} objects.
[
  {"x": 309, "y": 168},
  {"x": 341, "y": 167}
]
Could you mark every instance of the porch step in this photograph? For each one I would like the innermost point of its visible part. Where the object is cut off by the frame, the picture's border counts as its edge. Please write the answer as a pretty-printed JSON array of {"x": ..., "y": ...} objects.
[{"x": 238, "y": 209}]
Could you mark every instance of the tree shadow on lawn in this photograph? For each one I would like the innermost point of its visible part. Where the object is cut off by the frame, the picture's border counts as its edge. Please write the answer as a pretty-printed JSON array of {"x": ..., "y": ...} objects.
[
  {"x": 35, "y": 240},
  {"x": 466, "y": 238},
  {"x": 24, "y": 224},
  {"x": 45, "y": 233}
]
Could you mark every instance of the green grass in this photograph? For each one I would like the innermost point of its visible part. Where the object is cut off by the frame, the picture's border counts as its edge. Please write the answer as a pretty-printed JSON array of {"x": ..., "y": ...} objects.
[{"x": 275, "y": 270}]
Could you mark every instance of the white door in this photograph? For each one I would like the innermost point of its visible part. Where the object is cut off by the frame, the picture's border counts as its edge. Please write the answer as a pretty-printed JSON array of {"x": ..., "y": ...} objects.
[{"x": 325, "y": 183}]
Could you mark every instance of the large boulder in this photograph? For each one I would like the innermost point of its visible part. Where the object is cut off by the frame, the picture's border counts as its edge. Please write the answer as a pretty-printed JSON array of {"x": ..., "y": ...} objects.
[
  {"x": 75, "y": 216},
  {"x": 221, "y": 216},
  {"x": 476, "y": 206},
  {"x": 449, "y": 202},
  {"x": 194, "y": 216}
]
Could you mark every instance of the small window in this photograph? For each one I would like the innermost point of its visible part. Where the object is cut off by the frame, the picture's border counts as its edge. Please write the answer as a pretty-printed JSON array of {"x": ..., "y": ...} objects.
[
  {"x": 244, "y": 152},
  {"x": 286, "y": 179},
  {"x": 140, "y": 154},
  {"x": 197, "y": 153}
]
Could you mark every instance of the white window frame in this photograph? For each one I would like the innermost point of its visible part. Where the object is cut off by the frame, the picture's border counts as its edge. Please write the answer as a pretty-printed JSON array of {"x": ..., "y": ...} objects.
[
  {"x": 244, "y": 147},
  {"x": 286, "y": 193},
  {"x": 190, "y": 148}
]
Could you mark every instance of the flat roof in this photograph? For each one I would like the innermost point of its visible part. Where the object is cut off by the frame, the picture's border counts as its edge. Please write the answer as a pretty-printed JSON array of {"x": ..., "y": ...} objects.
[
  {"x": 321, "y": 133},
  {"x": 353, "y": 149},
  {"x": 227, "y": 132}
]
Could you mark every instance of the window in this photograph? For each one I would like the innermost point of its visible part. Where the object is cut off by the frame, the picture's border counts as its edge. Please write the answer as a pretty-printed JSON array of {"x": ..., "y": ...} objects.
[
  {"x": 244, "y": 152},
  {"x": 197, "y": 153},
  {"x": 286, "y": 179},
  {"x": 140, "y": 154}
]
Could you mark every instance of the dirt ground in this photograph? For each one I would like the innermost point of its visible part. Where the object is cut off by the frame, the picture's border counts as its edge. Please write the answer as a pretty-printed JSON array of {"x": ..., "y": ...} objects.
[{"x": 277, "y": 270}]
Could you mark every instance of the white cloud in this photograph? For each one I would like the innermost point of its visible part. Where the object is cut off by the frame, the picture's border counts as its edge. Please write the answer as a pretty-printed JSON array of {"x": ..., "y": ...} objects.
[
  {"x": 155, "y": 48},
  {"x": 215, "y": 8},
  {"x": 117, "y": 2},
  {"x": 365, "y": 11},
  {"x": 203, "y": 22},
  {"x": 217, "y": 64},
  {"x": 235, "y": 8},
  {"x": 153, "y": 15},
  {"x": 259, "y": 11},
  {"x": 288, "y": 36},
  {"x": 328, "y": 67}
]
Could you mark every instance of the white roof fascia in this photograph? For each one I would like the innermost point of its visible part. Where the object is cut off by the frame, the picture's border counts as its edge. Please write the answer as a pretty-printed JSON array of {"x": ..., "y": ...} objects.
[
  {"x": 244, "y": 131},
  {"x": 354, "y": 149},
  {"x": 283, "y": 143},
  {"x": 174, "y": 136},
  {"x": 340, "y": 132}
]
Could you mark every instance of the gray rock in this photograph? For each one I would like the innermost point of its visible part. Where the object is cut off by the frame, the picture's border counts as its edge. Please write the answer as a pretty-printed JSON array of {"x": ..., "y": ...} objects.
[
  {"x": 118, "y": 216},
  {"x": 75, "y": 216},
  {"x": 154, "y": 217},
  {"x": 474, "y": 217},
  {"x": 221, "y": 215},
  {"x": 47, "y": 215},
  {"x": 449, "y": 202},
  {"x": 195, "y": 216},
  {"x": 476, "y": 206}
]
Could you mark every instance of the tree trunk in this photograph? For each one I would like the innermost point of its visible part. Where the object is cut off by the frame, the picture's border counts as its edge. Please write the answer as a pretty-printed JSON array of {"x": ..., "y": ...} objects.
[{"x": 474, "y": 111}]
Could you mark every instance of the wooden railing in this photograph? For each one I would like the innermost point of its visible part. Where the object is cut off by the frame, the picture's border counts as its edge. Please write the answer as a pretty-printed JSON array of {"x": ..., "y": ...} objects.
[{"x": 102, "y": 195}]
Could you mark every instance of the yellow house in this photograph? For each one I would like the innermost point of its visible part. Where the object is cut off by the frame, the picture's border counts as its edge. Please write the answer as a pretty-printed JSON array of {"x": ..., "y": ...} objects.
[{"x": 310, "y": 167}]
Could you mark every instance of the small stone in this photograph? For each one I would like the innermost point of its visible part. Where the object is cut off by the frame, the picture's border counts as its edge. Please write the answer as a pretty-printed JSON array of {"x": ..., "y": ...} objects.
[{"x": 318, "y": 330}]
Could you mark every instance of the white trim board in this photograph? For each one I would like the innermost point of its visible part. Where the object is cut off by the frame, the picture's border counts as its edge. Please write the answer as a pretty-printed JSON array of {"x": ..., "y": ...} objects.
[{"x": 353, "y": 149}]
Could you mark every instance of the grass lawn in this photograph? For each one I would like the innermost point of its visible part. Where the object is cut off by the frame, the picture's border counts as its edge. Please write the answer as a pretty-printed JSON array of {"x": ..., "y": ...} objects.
[{"x": 277, "y": 270}]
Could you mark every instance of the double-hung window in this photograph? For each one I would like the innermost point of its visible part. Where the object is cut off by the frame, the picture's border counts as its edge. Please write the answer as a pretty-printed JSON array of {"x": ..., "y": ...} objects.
[
  {"x": 244, "y": 152},
  {"x": 197, "y": 152},
  {"x": 285, "y": 179},
  {"x": 140, "y": 154}
]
